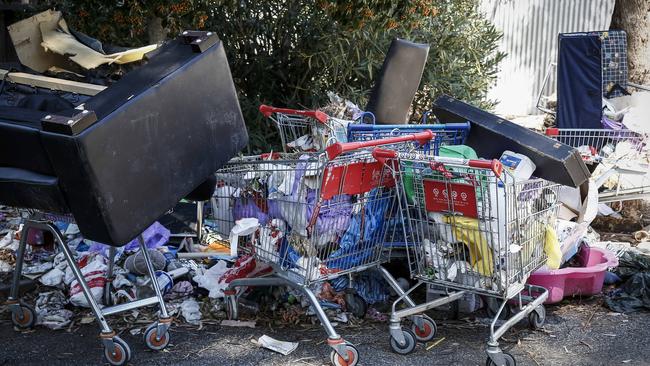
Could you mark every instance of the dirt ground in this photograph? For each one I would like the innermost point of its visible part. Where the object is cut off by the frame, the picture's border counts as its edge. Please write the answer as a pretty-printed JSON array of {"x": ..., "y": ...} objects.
[{"x": 576, "y": 333}]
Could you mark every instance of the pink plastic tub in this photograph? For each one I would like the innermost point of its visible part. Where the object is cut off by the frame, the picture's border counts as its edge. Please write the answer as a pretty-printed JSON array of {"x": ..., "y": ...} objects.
[{"x": 586, "y": 280}]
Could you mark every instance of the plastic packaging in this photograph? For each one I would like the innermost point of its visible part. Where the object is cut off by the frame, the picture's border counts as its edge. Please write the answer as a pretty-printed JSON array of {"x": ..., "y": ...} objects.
[{"x": 519, "y": 165}]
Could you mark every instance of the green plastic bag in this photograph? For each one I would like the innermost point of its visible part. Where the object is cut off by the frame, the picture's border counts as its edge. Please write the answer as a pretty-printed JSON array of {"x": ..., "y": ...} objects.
[{"x": 450, "y": 151}]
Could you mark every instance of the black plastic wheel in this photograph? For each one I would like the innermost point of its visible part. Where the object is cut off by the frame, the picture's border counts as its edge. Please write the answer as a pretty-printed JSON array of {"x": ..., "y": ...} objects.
[
  {"x": 120, "y": 354},
  {"x": 231, "y": 308},
  {"x": 25, "y": 318},
  {"x": 353, "y": 356},
  {"x": 153, "y": 341},
  {"x": 510, "y": 361},
  {"x": 427, "y": 332},
  {"x": 356, "y": 304},
  {"x": 408, "y": 346},
  {"x": 535, "y": 320}
]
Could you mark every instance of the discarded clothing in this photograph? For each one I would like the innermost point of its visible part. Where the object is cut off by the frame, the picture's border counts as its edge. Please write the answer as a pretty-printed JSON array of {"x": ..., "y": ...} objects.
[
  {"x": 370, "y": 285},
  {"x": 357, "y": 245}
]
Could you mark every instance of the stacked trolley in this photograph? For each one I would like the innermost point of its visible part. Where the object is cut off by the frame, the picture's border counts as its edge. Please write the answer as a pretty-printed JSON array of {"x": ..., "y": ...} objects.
[
  {"x": 619, "y": 155},
  {"x": 476, "y": 230},
  {"x": 305, "y": 130},
  {"x": 445, "y": 133},
  {"x": 320, "y": 216},
  {"x": 313, "y": 130}
]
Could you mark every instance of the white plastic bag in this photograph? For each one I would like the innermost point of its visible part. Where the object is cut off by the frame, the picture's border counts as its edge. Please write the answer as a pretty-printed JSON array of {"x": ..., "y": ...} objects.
[
  {"x": 93, "y": 268},
  {"x": 191, "y": 311}
]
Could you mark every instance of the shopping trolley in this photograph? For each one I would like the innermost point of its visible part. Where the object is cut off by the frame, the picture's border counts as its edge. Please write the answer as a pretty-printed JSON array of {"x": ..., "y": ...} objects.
[
  {"x": 320, "y": 216},
  {"x": 476, "y": 231},
  {"x": 305, "y": 130},
  {"x": 445, "y": 133},
  {"x": 622, "y": 154}
]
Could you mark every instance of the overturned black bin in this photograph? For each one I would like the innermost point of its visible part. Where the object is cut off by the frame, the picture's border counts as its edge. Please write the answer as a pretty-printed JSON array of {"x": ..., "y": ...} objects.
[{"x": 120, "y": 160}]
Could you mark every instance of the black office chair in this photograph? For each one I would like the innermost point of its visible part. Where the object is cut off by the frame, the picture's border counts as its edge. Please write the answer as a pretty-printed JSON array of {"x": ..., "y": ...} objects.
[
  {"x": 397, "y": 82},
  {"x": 115, "y": 165}
]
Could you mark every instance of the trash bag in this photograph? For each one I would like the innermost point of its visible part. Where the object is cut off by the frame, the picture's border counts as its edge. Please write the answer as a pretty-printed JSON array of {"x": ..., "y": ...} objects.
[{"x": 634, "y": 294}]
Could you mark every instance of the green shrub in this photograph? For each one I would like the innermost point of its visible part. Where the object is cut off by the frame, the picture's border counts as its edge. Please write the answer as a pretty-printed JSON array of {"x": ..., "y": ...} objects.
[{"x": 291, "y": 52}]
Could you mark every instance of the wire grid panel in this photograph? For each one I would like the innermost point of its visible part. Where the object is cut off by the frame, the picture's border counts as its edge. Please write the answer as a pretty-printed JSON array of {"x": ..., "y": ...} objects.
[
  {"x": 472, "y": 230},
  {"x": 303, "y": 133},
  {"x": 318, "y": 219},
  {"x": 445, "y": 134},
  {"x": 606, "y": 145},
  {"x": 613, "y": 56}
]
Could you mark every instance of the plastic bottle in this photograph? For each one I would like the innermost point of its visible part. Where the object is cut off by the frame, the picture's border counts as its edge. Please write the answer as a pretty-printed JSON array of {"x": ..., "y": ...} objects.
[{"x": 519, "y": 165}]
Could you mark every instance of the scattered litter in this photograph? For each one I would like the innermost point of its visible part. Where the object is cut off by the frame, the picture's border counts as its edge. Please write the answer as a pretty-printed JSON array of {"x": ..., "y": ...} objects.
[
  {"x": 435, "y": 343},
  {"x": 191, "y": 311},
  {"x": 282, "y": 347},
  {"x": 50, "y": 310},
  {"x": 238, "y": 323}
]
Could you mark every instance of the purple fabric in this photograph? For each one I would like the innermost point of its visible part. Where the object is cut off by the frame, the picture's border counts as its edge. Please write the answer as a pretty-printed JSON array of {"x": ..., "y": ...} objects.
[
  {"x": 611, "y": 124},
  {"x": 334, "y": 214},
  {"x": 154, "y": 236},
  {"x": 245, "y": 207}
]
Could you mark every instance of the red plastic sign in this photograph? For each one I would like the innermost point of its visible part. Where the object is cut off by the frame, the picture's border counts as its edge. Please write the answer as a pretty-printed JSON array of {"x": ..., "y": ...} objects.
[
  {"x": 355, "y": 178},
  {"x": 462, "y": 199}
]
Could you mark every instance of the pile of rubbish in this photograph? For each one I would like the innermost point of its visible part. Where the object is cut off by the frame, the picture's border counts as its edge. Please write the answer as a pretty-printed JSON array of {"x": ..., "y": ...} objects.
[{"x": 193, "y": 288}]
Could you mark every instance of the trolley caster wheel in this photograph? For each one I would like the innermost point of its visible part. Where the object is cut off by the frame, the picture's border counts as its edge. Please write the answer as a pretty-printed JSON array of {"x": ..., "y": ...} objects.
[
  {"x": 355, "y": 304},
  {"x": 120, "y": 354},
  {"x": 510, "y": 361},
  {"x": 26, "y": 317},
  {"x": 408, "y": 347},
  {"x": 153, "y": 340},
  {"x": 231, "y": 308},
  {"x": 535, "y": 320},
  {"x": 353, "y": 356},
  {"x": 427, "y": 332}
]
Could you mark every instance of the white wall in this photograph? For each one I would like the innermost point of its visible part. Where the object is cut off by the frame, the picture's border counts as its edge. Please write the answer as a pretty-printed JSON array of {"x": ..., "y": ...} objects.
[{"x": 530, "y": 29}]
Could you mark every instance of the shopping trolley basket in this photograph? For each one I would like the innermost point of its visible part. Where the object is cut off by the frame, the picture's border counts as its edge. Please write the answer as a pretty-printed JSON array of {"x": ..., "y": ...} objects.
[
  {"x": 305, "y": 130},
  {"x": 618, "y": 155},
  {"x": 320, "y": 216},
  {"x": 476, "y": 230},
  {"x": 446, "y": 133}
]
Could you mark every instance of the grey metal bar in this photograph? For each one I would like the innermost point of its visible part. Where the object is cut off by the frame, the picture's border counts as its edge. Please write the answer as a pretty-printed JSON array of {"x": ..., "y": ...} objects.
[
  {"x": 499, "y": 332},
  {"x": 429, "y": 305},
  {"x": 152, "y": 275},
  {"x": 129, "y": 305},
  {"x": 395, "y": 286},
  {"x": 15, "y": 283},
  {"x": 80, "y": 278}
]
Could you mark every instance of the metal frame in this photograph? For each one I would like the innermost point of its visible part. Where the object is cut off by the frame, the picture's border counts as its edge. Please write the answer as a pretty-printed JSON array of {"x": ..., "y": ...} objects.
[
  {"x": 343, "y": 171},
  {"x": 107, "y": 335},
  {"x": 509, "y": 282},
  {"x": 594, "y": 145}
]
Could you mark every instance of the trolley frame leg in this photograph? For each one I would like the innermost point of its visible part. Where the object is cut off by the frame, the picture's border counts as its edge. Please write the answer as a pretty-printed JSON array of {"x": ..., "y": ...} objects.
[
  {"x": 334, "y": 339},
  {"x": 493, "y": 350}
]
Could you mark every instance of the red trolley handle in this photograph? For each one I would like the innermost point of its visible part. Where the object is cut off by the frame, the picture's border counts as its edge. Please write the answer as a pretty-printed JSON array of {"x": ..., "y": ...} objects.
[
  {"x": 494, "y": 164},
  {"x": 552, "y": 131},
  {"x": 267, "y": 110},
  {"x": 338, "y": 148}
]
